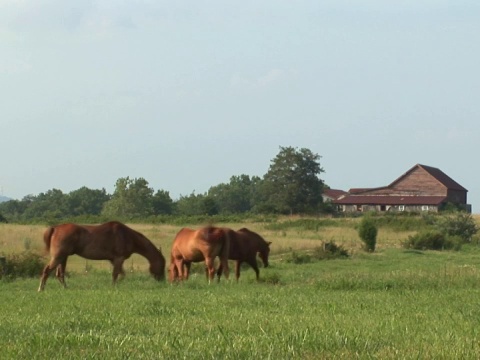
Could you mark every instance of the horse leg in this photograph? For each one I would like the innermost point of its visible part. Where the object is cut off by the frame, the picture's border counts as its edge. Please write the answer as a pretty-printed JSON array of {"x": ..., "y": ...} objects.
[
  {"x": 253, "y": 263},
  {"x": 237, "y": 269},
  {"x": 117, "y": 268},
  {"x": 209, "y": 262},
  {"x": 60, "y": 273},
  {"x": 219, "y": 272},
  {"x": 187, "y": 269},
  {"x": 46, "y": 272},
  {"x": 179, "y": 270}
]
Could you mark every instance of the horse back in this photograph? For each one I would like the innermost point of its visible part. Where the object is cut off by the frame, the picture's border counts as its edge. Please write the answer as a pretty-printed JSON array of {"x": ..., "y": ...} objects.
[
  {"x": 245, "y": 244},
  {"x": 64, "y": 238},
  {"x": 96, "y": 242},
  {"x": 195, "y": 245}
]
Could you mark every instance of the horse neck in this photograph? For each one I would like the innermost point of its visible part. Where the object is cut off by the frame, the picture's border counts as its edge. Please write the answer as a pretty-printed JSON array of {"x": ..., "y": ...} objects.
[{"x": 148, "y": 250}]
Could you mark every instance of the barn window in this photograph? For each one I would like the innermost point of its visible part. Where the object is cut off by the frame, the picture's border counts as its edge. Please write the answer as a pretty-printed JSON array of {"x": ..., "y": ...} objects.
[
  {"x": 424, "y": 207},
  {"x": 401, "y": 207}
]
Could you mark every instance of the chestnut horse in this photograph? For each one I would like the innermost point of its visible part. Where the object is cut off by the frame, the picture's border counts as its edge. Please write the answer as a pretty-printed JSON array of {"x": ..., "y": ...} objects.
[
  {"x": 111, "y": 241},
  {"x": 204, "y": 244},
  {"x": 244, "y": 246}
]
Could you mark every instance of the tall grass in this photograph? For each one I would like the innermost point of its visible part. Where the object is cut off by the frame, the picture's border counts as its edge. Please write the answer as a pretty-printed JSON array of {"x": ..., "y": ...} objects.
[{"x": 390, "y": 305}]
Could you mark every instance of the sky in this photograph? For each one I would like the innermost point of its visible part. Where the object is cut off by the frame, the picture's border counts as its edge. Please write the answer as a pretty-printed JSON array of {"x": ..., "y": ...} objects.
[{"x": 186, "y": 94}]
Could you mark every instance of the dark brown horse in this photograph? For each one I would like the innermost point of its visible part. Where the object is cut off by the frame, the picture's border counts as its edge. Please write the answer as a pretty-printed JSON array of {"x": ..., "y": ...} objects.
[
  {"x": 111, "y": 241},
  {"x": 244, "y": 247},
  {"x": 204, "y": 244}
]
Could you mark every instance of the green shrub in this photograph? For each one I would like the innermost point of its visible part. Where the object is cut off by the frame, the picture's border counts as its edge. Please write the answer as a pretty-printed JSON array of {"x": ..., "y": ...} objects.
[
  {"x": 460, "y": 224},
  {"x": 401, "y": 221},
  {"x": 330, "y": 250},
  {"x": 432, "y": 240},
  {"x": 368, "y": 233},
  {"x": 24, "y": 264}
]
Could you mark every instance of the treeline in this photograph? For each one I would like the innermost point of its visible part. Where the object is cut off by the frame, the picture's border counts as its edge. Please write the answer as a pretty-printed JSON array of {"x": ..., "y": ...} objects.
[{"x": 291, "y": 186}]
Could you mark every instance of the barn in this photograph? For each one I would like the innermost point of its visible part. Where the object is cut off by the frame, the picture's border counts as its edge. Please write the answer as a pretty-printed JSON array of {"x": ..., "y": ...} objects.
[{"x": 422, "y": 188}]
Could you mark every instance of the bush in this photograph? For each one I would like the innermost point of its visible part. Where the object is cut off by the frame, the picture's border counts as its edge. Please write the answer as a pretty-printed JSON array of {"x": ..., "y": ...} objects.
[
  {"x": 368, "y": 233},
  {"x": 432, "y": 240},
  {"x": 330, "y": 250},
  {"x": 460, "y": 224},
  {"x": 25, "y": 264}
]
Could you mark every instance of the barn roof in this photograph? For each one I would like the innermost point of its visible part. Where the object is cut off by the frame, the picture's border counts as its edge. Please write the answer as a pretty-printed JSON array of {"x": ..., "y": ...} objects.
[
  {"x": 334, "y": 193},
  {"x": 438, "y": 174}
]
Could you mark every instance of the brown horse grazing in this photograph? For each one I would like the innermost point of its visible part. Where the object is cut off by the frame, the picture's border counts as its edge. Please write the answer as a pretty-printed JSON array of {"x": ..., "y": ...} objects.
[
  {"x": 204, "y": 244},
  {"x": 244, "y": 246},
  {"x": 111, "y": 241}
]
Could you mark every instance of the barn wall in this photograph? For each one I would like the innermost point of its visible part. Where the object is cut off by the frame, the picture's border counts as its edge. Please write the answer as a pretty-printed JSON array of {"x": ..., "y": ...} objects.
[{"x": 457, "y": 196}]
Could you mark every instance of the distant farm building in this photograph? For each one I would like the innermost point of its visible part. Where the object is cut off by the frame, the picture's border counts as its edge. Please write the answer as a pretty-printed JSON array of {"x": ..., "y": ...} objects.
[{"x": 422, "y": 188}]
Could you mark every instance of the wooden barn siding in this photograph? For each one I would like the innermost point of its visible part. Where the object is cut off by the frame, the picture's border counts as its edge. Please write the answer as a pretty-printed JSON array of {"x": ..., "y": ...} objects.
[{"x": 420, "y": 182}]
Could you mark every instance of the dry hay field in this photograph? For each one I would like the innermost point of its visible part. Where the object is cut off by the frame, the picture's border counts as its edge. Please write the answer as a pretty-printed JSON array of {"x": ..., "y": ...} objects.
[{"x": 15, "y": 238}]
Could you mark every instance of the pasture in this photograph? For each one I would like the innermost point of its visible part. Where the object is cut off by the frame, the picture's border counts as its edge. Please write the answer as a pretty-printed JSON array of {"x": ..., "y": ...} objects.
[{"x": 390, "y": 304}]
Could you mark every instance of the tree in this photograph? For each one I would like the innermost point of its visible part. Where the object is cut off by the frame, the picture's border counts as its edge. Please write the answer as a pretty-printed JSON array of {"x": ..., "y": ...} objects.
[
  {"x": 235, "y": 197},
  {"x": 3, "y": 219},
  {"x": 162, "y": 203},
  {"x": 50, "y": 205},
  {"x": 292, "y": 183},
  {"x": 132, "y": 198},
  {"x": 190, "y": 205},
  {"x": 14, "y": 209},
  {"x": 85, "y": 201}
]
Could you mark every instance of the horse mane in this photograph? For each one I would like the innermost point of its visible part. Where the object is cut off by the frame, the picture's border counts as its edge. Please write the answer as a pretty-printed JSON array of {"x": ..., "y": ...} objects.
[
  {"x": 212, "y": 232},
  {"x": 143, "y": 244},
  {"x": 260, "y": 237}
]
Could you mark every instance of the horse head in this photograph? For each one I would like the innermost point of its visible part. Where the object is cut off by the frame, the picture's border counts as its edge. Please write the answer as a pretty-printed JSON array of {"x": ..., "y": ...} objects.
[
  {"x": 264, "y": 251},
  {"x": 157, "y": 267}
]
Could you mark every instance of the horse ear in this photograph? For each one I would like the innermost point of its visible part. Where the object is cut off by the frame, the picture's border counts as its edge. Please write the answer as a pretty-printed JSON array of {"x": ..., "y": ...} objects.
[{"x": 269, "y": 242}]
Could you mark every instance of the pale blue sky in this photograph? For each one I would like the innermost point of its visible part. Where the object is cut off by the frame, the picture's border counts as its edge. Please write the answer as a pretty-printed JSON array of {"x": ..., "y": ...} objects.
[{"x": 188, "y": 93}]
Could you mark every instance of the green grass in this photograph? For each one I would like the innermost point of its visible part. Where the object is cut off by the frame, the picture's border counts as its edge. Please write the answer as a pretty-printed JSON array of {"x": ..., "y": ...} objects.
[{"x": 386, "y": 305}]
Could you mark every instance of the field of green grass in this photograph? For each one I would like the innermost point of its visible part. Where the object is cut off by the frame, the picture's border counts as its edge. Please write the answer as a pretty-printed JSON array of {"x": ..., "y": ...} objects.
[{"x": 391, "y": 304}]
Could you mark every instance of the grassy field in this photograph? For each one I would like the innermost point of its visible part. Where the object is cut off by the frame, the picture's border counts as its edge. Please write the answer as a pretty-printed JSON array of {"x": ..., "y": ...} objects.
[{"x": 390, "y": 304}]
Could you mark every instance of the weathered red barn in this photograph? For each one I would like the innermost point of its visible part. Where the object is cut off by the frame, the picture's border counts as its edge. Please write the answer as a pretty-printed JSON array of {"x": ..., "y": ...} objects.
[{"x": 422, "y": 188}]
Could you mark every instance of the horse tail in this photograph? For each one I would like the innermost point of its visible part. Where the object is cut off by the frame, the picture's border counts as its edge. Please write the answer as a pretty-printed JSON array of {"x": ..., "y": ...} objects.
[{"x": 47, "y": 237}]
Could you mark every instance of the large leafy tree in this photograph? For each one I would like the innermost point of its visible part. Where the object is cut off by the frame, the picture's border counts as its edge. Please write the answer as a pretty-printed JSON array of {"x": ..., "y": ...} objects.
[
  {"x": 85, "y": 201},
  {"x": 236, "y": 196},
  {"x": 13, "y": 209},
  {"x": 132, "y": 198},
  {"x": 292, "y": 183},
  {"x": 162, "y": 203},
  {"x": 50, "y": 205},
  {"x": 196, "y": 204}
]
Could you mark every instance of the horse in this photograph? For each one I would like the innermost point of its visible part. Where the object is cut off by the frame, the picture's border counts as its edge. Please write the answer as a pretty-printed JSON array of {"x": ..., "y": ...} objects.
[
  {"x": 111, "y": 241},
  {"x": 204, "y": 244},
  {"x": 244, "y": 246}
]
